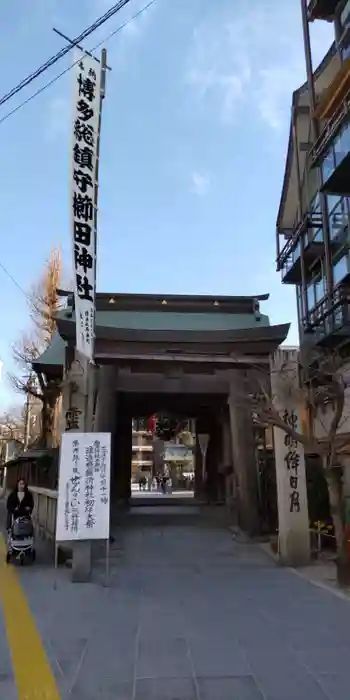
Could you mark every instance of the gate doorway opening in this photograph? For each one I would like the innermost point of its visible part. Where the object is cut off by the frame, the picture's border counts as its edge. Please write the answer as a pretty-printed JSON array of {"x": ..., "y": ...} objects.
[
  {"x": 163, "y": 458},
  {"x": 157, "y": 436}
]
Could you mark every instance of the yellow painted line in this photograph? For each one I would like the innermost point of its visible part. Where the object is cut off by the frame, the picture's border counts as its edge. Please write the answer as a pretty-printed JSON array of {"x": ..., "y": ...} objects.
[{"x": 32, "y": 672}]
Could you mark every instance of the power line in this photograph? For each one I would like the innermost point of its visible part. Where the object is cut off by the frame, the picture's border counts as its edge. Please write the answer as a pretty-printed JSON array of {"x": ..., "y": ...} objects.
[
  {"x": 51, "y": 82},
  {"x": 5, "y": 270},
  {"x": 66, "y": 70},
  {"x": 51, "y": 61}
]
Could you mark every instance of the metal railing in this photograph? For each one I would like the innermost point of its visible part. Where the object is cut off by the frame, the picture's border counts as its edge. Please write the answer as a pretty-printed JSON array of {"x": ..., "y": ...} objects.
[
  {"x": 337, "y": 301},
  {"x": 308, "y": 221},
  {"x": 329, "y": 131}
]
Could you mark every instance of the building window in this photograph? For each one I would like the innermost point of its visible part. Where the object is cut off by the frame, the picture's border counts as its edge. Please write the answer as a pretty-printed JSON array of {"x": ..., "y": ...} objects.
[
  {"x": 341, "y": 269},
  {"x": 345, "y": 15},
  {"x": 318, "y": 236},
  {"x": 336, "y": 153},
  {"x": 319, "y": 289},
  {"x": 315, "y": 211},
  {"x": 315, "y": 292},
  {"x": 300, "y": 304},
  {"x": 315, "y": 206},
  {"x": 341, "y": 145},
  {"x": 338, "y": 214},
  {"x": 328, "y": 165},
  {"x": 310, "y": 296}
]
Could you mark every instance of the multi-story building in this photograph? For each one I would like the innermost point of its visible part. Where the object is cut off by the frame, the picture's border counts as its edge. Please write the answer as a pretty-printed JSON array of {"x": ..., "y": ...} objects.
[
  {"x": 142, "y": 448},
  {"x": 143, "y": 457},
  {"x": 313, "y": 231}
]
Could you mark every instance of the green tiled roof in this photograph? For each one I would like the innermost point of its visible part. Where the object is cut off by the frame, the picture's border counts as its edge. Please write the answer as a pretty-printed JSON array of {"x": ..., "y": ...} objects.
[
  {"x": 54, "y": 354},
  {"x": 170, "y": 320}
]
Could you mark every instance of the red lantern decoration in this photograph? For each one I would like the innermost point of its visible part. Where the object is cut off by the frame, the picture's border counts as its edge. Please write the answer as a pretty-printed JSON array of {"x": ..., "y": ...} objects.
[{"x": 152, "y": 424}]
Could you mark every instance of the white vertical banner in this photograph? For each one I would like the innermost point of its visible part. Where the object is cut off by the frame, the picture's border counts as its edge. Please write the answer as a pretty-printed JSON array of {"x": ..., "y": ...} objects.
[
  {"x": 293, "y": 518},
  {"x": 83, "y": 505},
  {"x": 87, "y": 106}
]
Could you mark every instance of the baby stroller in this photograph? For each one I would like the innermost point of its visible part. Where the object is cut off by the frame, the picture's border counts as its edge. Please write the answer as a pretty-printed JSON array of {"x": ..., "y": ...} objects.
[{"x": 20, "y": 544}]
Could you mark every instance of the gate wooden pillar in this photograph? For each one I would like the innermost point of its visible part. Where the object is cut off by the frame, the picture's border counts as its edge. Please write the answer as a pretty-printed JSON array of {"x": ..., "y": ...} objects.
[
  {"x": 209, "y": 425},
  {"x": 244, "y": 458},
  {"x": 123, "y": 454}
]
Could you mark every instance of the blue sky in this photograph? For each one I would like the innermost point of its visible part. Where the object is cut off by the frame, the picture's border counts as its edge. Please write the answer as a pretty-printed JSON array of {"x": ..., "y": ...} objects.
[{"x": 195, "y": 129}]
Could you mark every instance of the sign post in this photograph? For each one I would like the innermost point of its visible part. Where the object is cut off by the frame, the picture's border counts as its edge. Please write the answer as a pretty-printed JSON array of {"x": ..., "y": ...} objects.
[
  {"x": 83, "y": 505},
  {"x": 89, "y": 92}
]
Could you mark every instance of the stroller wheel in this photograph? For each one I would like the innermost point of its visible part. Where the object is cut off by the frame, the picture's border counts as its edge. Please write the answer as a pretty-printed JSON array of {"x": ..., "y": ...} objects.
[{"x": 8, "y": 557}]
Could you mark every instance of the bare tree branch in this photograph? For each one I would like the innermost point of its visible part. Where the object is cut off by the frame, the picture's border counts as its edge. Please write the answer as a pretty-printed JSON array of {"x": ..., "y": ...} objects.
[
  {"x": 44, "y": 303},
  {"x": 320, "y": 388}
]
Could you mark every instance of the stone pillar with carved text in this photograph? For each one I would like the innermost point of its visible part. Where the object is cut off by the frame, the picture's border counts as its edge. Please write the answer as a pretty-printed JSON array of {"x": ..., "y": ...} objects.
[
  {"x": 293, "y": 518},
  {"x": 78, "y": 385}
]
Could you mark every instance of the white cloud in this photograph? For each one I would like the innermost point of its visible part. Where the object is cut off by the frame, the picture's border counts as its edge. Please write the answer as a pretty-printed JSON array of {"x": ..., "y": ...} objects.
[
  {"x": 200, "y": 183},
  {"x": 252, "y": 58},
  {"x": 134, "y": 21},
  {"x": 59, "y": 113}
]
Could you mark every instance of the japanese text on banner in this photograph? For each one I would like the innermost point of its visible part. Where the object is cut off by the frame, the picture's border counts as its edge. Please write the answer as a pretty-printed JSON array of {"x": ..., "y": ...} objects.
[{"x": 87, "y": 105}]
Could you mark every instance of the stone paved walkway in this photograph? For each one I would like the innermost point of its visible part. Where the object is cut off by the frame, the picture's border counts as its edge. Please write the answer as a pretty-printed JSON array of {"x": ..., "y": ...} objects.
[{"x": 190, "y": 614}]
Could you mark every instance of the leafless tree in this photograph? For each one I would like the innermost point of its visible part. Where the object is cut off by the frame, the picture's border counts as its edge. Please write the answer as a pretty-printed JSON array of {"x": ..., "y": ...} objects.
[
  {"x": 320, "y": 394},
  {"x": 44, "y": 302},
  {"x": 12, "y": 425}
]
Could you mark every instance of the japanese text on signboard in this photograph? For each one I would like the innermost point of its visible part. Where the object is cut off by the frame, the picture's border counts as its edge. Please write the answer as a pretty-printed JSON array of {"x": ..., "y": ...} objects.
[
  {"x": 292, "y": 461},
  {"x": 84, "y": 198},
  {"x": 84, "y": 485}
]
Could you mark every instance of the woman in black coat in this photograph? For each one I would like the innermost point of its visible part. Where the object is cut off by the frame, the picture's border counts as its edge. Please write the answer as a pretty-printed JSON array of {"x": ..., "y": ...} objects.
[{"x": 20, "y": 502}]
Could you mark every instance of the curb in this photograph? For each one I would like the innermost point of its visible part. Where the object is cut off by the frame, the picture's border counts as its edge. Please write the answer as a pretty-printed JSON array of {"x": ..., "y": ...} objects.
[
  {"x": 297, "y": 572},
  {"x": 336, "y": 591}
]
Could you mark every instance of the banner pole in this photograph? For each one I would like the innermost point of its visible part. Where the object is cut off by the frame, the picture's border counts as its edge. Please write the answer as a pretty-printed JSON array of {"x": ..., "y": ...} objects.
[{"x": 107, "y": 572}]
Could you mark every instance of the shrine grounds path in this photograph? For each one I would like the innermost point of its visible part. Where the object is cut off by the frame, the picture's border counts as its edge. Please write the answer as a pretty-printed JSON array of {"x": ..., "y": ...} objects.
[{"x": 190, "y": 614}]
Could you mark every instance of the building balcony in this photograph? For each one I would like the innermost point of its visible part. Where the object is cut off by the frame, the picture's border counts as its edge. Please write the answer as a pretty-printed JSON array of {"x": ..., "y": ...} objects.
[
  {"x": 335, "y": 165},
  {"x": 330, "y": 132},
  {"x": 321, "y": 9},
  {"x": 328, "y": 324},
  {"x": 139, "y": 465},
  {"x": 289, "y": 259},
  {"x": 331, "y": 153},
  {"x": 335, "y": 93},
  {"x": 137, "y": 447}
]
